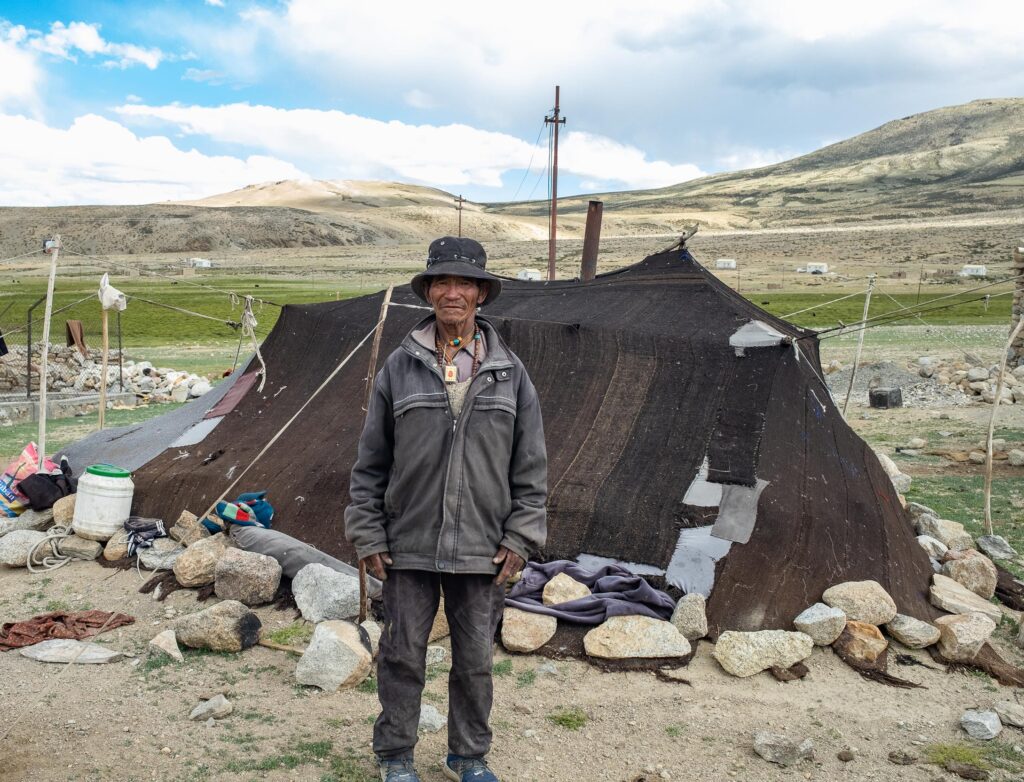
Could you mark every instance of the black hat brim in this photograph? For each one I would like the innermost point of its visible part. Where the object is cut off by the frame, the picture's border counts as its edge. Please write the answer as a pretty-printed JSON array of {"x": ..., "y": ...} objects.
[{"x": 421, "y": 281}]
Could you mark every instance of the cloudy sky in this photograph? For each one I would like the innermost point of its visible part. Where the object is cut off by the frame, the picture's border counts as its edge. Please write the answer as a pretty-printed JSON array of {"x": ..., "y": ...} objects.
[{"x": 107, "y": 102}]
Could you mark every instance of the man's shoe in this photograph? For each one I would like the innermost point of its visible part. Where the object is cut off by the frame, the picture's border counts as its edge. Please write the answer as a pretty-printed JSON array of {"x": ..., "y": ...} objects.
[
  {"x": 460, "y": 769},
  {"x": 398, "y": 771}
]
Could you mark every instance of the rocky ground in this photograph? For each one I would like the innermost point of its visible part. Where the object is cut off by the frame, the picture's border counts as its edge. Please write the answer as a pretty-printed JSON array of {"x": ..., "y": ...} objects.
[{"x": 560, "y": 721}]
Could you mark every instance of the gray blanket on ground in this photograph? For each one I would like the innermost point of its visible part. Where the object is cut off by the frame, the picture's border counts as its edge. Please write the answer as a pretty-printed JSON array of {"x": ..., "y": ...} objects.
[{"x": 614, "y": 592}]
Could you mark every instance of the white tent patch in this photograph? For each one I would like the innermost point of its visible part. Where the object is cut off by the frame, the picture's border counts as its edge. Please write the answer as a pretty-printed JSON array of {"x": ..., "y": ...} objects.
[{"x": 692, "y": 568}]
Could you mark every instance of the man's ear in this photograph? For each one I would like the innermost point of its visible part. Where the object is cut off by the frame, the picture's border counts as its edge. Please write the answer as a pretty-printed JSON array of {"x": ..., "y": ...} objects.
[{"x": 485, "y": 291}]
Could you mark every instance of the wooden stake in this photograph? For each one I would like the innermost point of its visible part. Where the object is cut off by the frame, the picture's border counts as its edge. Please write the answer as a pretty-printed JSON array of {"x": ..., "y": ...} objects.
[
  {"x": 54, "y": 254},
  {"x": 363, "y": 587},
  {"x": 103, "y": 372},
  {"x": 992, "y": 426}
]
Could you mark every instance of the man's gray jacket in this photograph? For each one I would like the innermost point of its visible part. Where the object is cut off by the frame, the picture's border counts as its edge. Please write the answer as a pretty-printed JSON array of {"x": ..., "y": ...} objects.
[{"x": 441, "y": 494}]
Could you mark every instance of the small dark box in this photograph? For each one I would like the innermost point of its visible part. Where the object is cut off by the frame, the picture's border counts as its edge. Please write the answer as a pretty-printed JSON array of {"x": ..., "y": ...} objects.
[{"x": 885, "y": 397}]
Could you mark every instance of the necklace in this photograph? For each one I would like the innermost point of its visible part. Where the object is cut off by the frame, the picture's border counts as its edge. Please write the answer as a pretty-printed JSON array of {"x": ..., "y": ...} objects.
[{"x": 448, "y": 369}]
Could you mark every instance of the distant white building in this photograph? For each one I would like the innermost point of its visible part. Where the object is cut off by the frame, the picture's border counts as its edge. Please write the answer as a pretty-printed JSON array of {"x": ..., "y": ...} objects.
[
  {"x": 725, "y": 263},
  {"x": 530, "y": 275},
  {"x": 974, "y": 270},
  {"x": 200, "y": 263},
  {"x": 817, "y": 268}
]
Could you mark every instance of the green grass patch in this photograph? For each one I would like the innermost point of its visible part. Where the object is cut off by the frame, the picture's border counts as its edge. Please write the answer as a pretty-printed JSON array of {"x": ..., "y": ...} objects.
[
  {"x": 570, "y": 719},
  {"x": 526, "y": 678},
  {"x": 58, "y": 605},
  {"x": 987, "y": 755},
  {"x": 154, "y": 663},
  {"x": 292, "y": 635},
  {"x": 850, "y": 310},
  {"x": 502, "y": 668},
  {"x": 368, "y": 685},
  {"x": 673, "y": 731},
  {"x": 303, "y": 753},
  {"x": 436, "y": 671},
  {"x": 350, "y": 769}
]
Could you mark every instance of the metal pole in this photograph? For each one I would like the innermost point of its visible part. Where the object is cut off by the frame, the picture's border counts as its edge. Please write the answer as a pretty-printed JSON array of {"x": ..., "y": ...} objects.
[
  {"x": 860, "y": 341},
  {"x": 458, "y": 205},
  {"x": 555, "y": 120},
  {"x": 591, "y": 240},
  {"x": 54, "y": 254},
  {"x": 103, "y": 371}
]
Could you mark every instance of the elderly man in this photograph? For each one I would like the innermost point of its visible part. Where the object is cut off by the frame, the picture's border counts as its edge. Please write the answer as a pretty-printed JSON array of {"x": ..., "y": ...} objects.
[{"x": 447, "y": 496}]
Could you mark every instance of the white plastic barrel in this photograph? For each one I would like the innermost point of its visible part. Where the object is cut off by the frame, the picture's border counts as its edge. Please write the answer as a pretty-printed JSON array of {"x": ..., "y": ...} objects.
[{"x": 104, "y": 502}]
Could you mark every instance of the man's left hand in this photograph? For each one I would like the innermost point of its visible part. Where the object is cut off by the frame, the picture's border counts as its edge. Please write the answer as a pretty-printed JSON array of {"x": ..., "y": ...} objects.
[{"x": 513, "y": 563}]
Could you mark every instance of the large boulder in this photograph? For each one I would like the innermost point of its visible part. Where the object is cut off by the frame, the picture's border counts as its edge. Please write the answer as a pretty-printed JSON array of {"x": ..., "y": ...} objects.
[
  {"x": 117, "y": 546},
  {"x": 338, "y": 655},
  {"x": 973, "y": 570},
  {"x": 860, "y": 642},
  {"x": 781, "y": 750},
  {"x": 822, "y": 623},
  {"x": 64, "y": 510},
  {"x": 996, "y": 547},
  {"x": 166, "y": 643},
  {"x": 38, "y": 520},
  {"x": 912, "y": 632},
  {"x": 745, "y": 654},
  {"x": 952, "y": 534},
  {"x": 961, "y": 636},
  {"x": 915, "y": 510},
  {"x": 197, "y": 564},
  {"x": 861, "y": 601},
  {"x": 1010, "y": 713},
  {"x": 935, "y": 547},
  {"x": 246, "y": 576},
  {"x": 621, "y": 637},
  {"x": 564, "y": 589},
  {"x": 16, "y": 546},
  {"x": 526, "y": 631},
  {"x": 690, "y": 616},
  {"x": 981, "y": 725},
  {"x": 161, "y": 555},
  {"x": 79, "y": 548},
  {"x": 949, "y": 595},
  {"x": 322, "y": 593},
  {"x": 188, "y": 529},
  {"x": 226, "y": 627}
]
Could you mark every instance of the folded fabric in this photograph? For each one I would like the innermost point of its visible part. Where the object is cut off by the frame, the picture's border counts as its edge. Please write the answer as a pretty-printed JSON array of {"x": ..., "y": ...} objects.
[
  {"x": 614, "y": 592},
  {"x": 74, "y": 625},
  {"x": 249, "y": 509}
]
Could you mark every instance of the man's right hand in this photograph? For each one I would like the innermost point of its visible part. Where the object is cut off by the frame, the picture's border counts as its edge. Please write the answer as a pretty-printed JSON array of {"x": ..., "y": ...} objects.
[{"x": 376, "y": 563}]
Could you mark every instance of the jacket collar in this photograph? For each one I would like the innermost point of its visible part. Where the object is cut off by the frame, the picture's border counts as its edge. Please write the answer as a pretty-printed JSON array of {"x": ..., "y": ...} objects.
[{"x": 497, "y": 353}]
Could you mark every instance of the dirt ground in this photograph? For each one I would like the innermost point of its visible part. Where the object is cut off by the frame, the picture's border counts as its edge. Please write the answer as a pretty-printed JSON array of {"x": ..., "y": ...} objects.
[{"x": 114, "y": 721}]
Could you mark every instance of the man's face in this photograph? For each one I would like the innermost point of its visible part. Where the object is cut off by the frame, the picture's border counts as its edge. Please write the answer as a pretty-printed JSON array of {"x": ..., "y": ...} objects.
[{"x": 454, "y": 299}]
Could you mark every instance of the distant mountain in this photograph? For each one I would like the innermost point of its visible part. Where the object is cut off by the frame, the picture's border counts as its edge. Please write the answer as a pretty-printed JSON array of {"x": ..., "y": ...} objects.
[
  {"x": 947, "y": 162},
  {"x": 950, "y": 161}
]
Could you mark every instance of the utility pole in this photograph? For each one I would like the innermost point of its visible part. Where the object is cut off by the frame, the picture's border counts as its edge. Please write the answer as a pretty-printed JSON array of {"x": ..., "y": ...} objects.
[
  {"x": 458, "y": 205},
  {"x": 52, "y": 247},
  {"x": 556, "y": 120}
]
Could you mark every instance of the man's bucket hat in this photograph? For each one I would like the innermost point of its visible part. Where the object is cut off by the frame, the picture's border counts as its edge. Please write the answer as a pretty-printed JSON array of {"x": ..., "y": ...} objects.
[{"x": 456, "y": 256}]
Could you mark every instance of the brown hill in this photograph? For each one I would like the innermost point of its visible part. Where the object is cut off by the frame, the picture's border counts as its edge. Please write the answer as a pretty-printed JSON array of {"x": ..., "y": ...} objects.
[{"x": 948, "y": 162}]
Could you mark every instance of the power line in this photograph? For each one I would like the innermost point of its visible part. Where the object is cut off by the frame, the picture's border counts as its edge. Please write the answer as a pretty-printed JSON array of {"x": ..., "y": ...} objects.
[{"x": 530, "y": 164}]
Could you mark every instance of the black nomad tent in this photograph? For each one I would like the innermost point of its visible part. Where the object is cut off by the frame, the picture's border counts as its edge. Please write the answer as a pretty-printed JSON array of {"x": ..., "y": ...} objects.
[{"x": 690, "y": 435}]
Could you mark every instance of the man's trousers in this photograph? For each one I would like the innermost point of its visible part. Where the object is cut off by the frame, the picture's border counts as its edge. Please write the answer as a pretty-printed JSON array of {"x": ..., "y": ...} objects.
[{"x": 473, "y": 605}]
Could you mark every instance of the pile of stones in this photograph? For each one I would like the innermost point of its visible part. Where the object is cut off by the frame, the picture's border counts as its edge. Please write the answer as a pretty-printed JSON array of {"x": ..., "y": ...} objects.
[
  {"x": 69, "y": 370},
  {"x": 974, "y": 379}
]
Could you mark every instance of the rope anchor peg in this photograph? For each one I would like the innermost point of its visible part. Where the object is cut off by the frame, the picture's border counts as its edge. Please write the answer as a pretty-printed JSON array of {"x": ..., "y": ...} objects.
[{"x": 249, "y": 324}]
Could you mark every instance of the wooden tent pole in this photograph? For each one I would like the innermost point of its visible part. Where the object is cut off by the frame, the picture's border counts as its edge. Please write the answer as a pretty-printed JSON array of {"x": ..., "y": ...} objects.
[
  {"x": 363, "y": 587},
  {"x": 860, "y": 341},
  {"x": 992, "y": 426},
  {"x": 54, "y": 254},
  {"x": 103, "y": 372}
]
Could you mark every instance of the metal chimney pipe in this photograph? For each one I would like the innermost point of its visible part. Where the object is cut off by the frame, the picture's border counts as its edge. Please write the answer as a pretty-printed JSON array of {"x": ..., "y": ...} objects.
[{"x": 591, "y": 240}]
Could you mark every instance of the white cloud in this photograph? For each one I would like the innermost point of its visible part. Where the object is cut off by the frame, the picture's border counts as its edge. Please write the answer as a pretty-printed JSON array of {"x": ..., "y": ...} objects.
[
  {"x": 334, "y": 144},
  {"x": 22, "y": 76},
  {"x": 64, "y": 40},
  {"x": 604, "y": 159},
  {"x": 217, "y": 3},
  {"x": 340, "y": 145},
  {"x": 100, "y": 161},
  {"x": 196, "y": 74}
]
